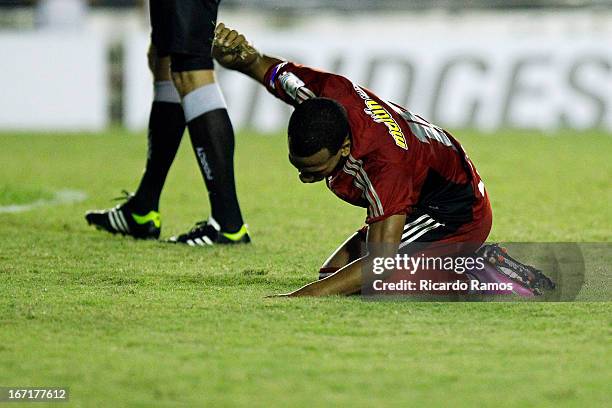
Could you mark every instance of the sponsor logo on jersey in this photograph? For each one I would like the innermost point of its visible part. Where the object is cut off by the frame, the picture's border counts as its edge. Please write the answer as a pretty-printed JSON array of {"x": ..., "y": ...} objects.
[{"x": 381, "y": 115}]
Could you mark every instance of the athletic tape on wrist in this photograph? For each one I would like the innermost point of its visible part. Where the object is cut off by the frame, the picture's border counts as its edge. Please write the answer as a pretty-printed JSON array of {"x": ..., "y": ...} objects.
[
  {"x": 164, "y": 91},
  {"x": 203, "y": 100}
]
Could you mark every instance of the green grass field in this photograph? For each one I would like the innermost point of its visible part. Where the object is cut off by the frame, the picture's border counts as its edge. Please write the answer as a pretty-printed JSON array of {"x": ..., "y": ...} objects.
[{"x": 128, "y": 323}]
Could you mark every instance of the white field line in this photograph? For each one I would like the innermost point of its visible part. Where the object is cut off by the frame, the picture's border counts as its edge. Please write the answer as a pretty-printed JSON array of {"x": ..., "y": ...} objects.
[{"x": 60, "y": 197}]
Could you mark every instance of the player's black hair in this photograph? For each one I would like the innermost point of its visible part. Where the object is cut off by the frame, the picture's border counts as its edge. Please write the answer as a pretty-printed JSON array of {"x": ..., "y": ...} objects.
[{"x": 315, "y": 124}]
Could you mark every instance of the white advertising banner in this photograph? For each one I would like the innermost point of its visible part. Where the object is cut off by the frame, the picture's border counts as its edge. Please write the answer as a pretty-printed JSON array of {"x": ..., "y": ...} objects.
[
  {"x": 480, "y": 74},
  {"x": 53, "y": 81},
  {"x": 476, "y": 81}
]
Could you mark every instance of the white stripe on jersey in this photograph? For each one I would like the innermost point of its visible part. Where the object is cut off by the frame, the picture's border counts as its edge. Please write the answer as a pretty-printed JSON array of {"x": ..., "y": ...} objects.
[
  {"x": 360, "y": 184},
  {"x": 358, "y": 164}
]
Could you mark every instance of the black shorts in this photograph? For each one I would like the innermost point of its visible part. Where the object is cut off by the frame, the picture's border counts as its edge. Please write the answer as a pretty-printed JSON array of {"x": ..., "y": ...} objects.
[{"x": 184, "y": 30}]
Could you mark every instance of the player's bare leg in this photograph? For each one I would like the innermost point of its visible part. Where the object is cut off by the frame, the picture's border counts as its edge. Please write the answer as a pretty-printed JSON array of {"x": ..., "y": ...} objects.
[
  {"x": 159, "y": 66},
  {"x": 189, "y": 81}
]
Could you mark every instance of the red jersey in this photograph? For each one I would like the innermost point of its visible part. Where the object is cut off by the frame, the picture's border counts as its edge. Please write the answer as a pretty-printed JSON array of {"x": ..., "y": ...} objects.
[{"x": 399, "y": 162}]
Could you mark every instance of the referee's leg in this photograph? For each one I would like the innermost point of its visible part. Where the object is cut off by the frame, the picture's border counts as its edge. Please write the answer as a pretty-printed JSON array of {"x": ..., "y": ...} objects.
[
  {"x": 212, "y": 135},
  {"x": 166, "y": 128}
]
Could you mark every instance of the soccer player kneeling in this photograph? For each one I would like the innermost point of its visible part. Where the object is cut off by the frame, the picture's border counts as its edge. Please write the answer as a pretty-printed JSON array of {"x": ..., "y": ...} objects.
[{"x": 414, "y": 178}]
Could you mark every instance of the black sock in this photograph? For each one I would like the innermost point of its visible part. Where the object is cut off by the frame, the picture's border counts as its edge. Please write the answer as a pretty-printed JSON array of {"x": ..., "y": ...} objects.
[
  {"x": 166, "y": 128},
  {"x": 212, "y": 137}
]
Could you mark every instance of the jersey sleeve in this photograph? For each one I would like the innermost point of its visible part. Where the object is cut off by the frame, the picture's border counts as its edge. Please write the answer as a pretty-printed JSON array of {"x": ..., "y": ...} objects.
[
  {"x": 389, "y": 191},
  {"x": 294, "y": 83}
]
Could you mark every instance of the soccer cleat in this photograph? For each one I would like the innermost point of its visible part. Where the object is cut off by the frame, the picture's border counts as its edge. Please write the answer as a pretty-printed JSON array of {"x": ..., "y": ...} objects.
[
  {"x": 526, "y": 275},
  {"x": 122, "y": 220},
  {"x": 490, "y": 274},
  {"x": 209, "y": 233}
]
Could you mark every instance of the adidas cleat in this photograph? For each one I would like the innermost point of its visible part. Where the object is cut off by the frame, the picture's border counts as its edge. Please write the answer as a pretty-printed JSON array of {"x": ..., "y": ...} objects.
[
  {"x": 122, "y": 220},
  {"x": 525, "y": 275},
  {"x": 209, "y": 233}
]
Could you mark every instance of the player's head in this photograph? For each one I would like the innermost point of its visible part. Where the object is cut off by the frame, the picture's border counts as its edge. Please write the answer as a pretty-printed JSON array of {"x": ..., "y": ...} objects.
[{"x": 319, "y": 138}]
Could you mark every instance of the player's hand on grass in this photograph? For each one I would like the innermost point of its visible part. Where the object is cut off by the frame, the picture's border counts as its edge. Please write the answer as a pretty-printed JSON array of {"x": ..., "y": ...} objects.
[{"x": 231, "y": 49}]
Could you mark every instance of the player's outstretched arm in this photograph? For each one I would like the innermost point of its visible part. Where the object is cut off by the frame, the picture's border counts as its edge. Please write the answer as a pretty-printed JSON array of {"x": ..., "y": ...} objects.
[
  {"x": 383, "y": 241},
  {"x": 232, "y": 50}
]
